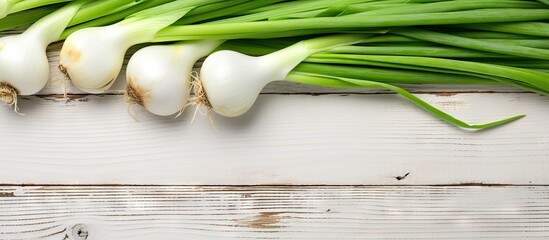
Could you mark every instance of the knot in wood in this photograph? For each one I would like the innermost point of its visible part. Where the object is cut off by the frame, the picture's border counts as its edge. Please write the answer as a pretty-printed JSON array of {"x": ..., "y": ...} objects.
[{"x": 80, "y": 232}]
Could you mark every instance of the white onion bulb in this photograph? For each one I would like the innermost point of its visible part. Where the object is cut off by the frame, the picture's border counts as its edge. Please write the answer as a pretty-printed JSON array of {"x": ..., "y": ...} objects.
[
  {"x": 24, "y": 67},
  {"x": 233, "y": 81},
  {"x": 93, "y": 57},
  {"x": 23, "y": 63},
  {"x": 159, "y": 77}
]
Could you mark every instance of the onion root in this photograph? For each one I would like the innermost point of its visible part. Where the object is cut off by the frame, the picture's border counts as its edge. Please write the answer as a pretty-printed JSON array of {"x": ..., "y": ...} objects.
[{"x": 8, "y": 95}]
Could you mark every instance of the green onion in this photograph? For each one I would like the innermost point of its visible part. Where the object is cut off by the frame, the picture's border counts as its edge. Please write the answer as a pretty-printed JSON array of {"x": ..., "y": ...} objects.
[{"x": 232, "y": 81}]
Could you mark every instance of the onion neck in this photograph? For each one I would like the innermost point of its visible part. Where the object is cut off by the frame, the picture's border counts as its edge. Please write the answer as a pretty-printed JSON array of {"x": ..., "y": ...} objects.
[
  {"x": 49, "y": 28},
  {"x": 143, "y": 26},
  {"x": 194, "y": 50},
  {"x": 288, "y": 58},
  {"x": 5, "y": 7}
]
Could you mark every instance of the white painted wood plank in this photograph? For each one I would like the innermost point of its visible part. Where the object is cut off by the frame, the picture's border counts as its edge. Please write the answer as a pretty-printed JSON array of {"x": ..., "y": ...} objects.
[
  {"x": 285, "y": 139},
  {"x": 160, "y": 213}
]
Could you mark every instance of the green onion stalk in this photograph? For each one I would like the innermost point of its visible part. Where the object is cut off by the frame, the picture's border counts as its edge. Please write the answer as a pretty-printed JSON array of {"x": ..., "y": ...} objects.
[
  {"x": 231, "y": 81},
  {"x": 354, "y": 22},
  {"x": 13, "y": 6}
]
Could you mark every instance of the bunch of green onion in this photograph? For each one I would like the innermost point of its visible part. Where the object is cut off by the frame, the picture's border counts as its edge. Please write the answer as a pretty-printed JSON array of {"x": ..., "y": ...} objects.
[{"x": 248, "y": 43}]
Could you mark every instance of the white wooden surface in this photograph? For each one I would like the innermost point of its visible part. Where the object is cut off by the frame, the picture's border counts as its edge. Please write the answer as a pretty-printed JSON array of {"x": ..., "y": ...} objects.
[
  {"x": 285, "y": 139},
  {"x": 166, "y": 213},
  {"x": 295, "y": 135}
]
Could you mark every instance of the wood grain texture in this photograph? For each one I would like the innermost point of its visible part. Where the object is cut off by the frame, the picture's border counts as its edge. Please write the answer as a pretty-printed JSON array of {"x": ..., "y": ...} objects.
[
  {"x": 285, "y": 139},
  {"x": 162, "y": 213}
]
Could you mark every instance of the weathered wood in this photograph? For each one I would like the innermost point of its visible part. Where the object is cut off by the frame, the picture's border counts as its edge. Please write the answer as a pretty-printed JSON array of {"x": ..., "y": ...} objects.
[
  {"x": 118, "y": 213},
  {"x": 285, "y": 139}
]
